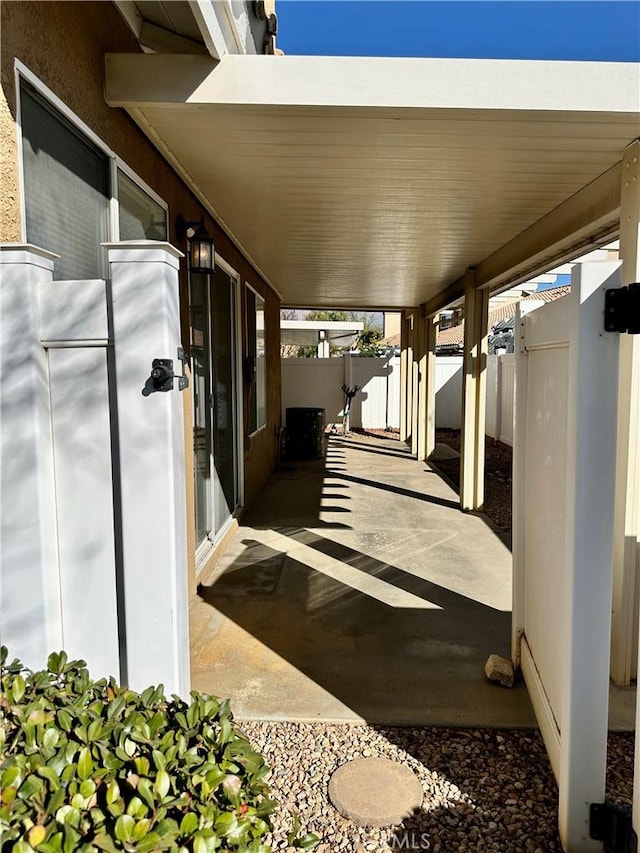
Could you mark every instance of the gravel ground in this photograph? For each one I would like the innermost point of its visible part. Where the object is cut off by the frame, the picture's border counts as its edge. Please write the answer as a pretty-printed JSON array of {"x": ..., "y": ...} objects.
[{"x": 484, "y": 790}]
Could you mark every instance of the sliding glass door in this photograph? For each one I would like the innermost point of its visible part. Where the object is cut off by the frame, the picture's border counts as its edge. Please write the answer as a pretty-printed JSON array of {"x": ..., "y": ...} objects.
[{"x": 215, "y": 353}]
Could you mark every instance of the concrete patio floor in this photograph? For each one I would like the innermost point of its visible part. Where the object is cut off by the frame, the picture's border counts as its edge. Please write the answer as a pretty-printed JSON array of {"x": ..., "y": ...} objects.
[{"x": 356, "y": 590}]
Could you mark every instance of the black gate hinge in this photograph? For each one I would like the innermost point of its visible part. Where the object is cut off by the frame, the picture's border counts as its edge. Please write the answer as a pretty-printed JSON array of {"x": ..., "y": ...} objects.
[
  {"x": 612, "y": 824},
  {"x": 622, "y": 309}
]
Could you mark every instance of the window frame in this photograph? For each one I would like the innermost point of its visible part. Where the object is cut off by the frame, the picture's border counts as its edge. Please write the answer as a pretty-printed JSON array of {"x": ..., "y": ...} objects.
[
  {"x": 259, "y": 427},
  {"x": 21, "y": 72},
  {"x": 120, "y": 166}
]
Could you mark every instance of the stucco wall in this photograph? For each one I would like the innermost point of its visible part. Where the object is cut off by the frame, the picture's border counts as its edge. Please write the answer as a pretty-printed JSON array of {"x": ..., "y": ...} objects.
[
  {"x": 63, "y": 44},
  {"x": 9, "y": 201}
]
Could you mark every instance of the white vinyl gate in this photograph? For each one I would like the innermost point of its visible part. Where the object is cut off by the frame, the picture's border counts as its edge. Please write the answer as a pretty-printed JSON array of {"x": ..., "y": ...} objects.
[
  {"x": 93, "y": 547},
  {"x": 564, "y": 477}
]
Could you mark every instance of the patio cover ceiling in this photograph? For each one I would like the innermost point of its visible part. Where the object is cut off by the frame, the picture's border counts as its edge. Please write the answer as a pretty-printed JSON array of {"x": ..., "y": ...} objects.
[{"x": 365, "y": 182}]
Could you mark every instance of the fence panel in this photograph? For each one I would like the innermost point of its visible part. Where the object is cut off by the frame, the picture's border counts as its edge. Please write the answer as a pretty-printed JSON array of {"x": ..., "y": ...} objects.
[
  {"x": 564, "y": 481},
  {"x": 84, "y": 500},
  {"x": 506, "y": 380},
  {"x": 546, "y": 454},
  {"x": 371, "y": 405},
  {"x": 491, "y": 411},
  {"x": 448, "y": 391},
  {"x": 319, "y": 381},
  {"x": 82, "y": 569},
  {"x": 315, "y": 382},
  {"x": 74, "y": 331},
  {"x": 393, "y": 394}
]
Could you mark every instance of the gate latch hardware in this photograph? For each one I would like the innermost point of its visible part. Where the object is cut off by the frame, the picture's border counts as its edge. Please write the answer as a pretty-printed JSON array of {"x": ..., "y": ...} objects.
[
  {"x": 622, "y": 309},
  {"x": 162, "y": 374},
  {"x": 611, "y": 823}
]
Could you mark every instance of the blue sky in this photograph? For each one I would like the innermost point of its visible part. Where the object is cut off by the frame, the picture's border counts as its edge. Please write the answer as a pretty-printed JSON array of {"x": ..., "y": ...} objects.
[
  {"x": 561, "y": 279},
  {"x": 600, "y": 30}
]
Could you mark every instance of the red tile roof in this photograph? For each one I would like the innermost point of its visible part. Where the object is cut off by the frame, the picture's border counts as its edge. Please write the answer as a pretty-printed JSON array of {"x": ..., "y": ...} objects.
[{"x": 455, "y": 334}]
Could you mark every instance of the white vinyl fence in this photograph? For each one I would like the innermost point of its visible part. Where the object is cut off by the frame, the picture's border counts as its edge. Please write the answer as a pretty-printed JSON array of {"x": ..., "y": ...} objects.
[
  {"x": 93, "y": 549},
  {"x": 500, "y": 388},
  {"x": 318, "y": 382},
  {"x": 564, "y": 486},
  {"x": 448, "y": 392}
]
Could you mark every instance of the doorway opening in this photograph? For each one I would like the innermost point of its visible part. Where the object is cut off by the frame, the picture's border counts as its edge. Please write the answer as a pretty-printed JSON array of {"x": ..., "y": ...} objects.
[{"x": 216, "y": 429}]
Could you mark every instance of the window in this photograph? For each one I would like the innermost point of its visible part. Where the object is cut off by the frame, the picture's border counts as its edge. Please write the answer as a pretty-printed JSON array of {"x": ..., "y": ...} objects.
[
  {"x": 77, "y": 195},
  {"x": 141, "y": 218},
  {"x": 256, "y": 361},
  {"x": 66, "y": 189}
]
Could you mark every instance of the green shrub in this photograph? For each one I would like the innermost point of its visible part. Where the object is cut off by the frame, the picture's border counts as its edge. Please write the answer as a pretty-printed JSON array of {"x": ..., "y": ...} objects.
[{"x": 88, "y": 765}]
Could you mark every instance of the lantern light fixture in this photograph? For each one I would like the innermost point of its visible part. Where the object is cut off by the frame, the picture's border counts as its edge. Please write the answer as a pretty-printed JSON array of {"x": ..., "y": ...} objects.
[{"x": 202, "y": 252}]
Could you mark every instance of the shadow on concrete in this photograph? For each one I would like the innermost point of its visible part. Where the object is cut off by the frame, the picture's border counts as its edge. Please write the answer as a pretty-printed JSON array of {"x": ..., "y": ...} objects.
[
  {"x": 400, "y": 453},
  {"x": 434, "y": 593},
  {"x": 383, "y": 608},
  {"x": 386, "y": 644},
  {"x": 397, "y": 490}
]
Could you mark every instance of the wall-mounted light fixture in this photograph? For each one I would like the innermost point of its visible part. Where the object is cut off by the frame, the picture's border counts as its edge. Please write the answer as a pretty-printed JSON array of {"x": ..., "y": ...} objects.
[{"x": 202, "y": 252}]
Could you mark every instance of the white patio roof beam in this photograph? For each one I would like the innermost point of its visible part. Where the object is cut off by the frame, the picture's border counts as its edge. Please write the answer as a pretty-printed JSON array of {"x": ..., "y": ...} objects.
[{"x": 376, "y": 82}]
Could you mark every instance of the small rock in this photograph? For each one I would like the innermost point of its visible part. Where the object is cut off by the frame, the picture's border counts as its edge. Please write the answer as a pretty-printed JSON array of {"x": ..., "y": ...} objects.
[{"x": 500, "y": 670}]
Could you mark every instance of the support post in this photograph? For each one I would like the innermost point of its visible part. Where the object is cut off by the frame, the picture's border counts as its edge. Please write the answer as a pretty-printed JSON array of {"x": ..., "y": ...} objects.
[
  {"x": 624, "y": 629},
  {"x": 416, "y": 382},
  {"x": 410, "y": 379},
  {"x": 422, "y": 386},
  {"x": 476, "y": 313},
  {"x": 30, "y": 611},
  {"x": 323, "y": 350},
  {"x": 430, "y": 395},
  {"x": 405, "y": 376},
  {"x": 146, "y": 326},
  {"x": 427, "y": 393}
]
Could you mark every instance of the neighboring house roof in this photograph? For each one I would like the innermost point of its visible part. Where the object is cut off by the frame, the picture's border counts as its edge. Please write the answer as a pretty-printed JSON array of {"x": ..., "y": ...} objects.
[
  {"x": 454, "y": 335},
  {"x": 390, "y": 341}
]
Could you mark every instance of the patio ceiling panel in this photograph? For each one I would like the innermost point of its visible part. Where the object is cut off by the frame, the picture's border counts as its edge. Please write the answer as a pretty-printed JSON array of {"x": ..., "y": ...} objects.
[{"x": 376, "y": 183}]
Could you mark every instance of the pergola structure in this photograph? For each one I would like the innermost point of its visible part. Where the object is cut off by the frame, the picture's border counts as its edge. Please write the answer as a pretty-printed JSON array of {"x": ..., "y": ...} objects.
[
  {"x": 322, "y": 334},
  {"x": 400, "y": 183},
  {"x": 406, "y": 184}
]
